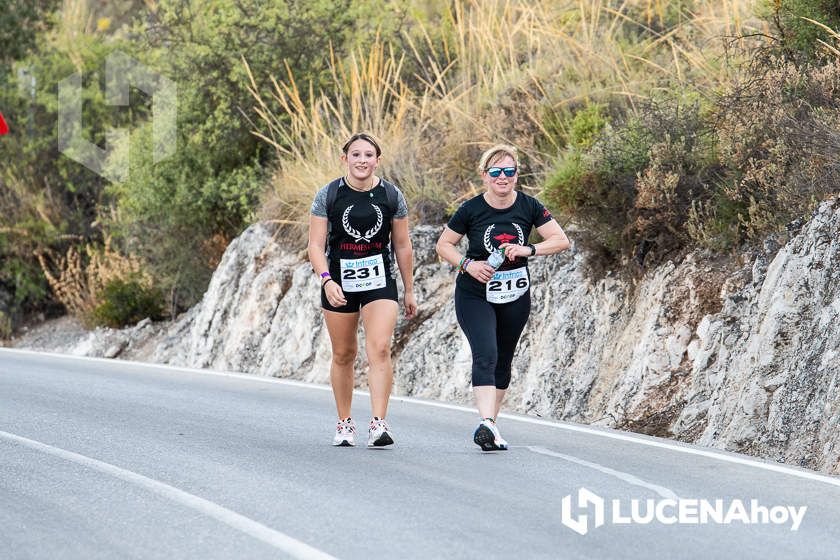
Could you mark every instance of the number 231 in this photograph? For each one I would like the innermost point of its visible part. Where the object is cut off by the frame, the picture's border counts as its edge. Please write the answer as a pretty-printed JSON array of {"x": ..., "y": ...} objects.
[{"x": 359, "y": 274}]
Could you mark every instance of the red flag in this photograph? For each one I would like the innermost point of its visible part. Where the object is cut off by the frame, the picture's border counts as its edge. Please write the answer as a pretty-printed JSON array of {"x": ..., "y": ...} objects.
[{"x": 4, "y": 128}]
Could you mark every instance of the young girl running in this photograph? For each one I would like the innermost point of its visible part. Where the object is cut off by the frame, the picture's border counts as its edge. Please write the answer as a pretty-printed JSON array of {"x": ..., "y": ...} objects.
[{"x": 362, "y": 221}]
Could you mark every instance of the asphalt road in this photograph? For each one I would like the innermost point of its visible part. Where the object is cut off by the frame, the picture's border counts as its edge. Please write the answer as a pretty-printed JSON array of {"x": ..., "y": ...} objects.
[{"x": 112, "y": 459}]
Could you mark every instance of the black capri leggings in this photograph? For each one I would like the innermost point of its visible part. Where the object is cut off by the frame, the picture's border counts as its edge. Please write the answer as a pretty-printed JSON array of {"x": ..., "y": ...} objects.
[{"x": 492, "y": 329}]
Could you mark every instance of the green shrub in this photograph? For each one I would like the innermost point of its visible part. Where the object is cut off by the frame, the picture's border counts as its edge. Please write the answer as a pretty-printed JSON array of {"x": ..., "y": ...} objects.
[
  {"x": 171, "y": 209},
  {"x": 656, "y": 17},
  {"x": 21, "y": 21},
  {"x": 567, "y": 185},
  {"x": 125, "y": 302},
  {"x": 679, "y": 173},
  {"x": 587, "y": 125},
  {"x": 595, "y": 186},
  {"x": 30, "y": 102},
  {"x": 777, "y": 133},
  {"x": 633, "y": 188},
  {"x": 798, "y": 37},
  {"x": 179, "y": 213},
  {"x": 23, "y": 280},
  {"x": 677, "y": 178},
  {"x": 714, "y": 224},
  {"x": 562, "y": 128},
  {"x": 47, "y": 200}
]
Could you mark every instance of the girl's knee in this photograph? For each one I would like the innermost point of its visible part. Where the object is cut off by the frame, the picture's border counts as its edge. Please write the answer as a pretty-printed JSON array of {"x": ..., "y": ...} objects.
[
  {"x": 378, "y": 352},
  {"x": 344, "y": 357}
]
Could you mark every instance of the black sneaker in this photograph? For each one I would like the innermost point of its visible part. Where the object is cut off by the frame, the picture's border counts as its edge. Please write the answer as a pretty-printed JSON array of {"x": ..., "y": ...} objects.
[{"x": 485, "y": 437}]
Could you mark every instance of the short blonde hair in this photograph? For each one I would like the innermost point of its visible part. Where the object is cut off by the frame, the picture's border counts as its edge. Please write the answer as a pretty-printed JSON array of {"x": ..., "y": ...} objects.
[{"x": 496, "y": 153}]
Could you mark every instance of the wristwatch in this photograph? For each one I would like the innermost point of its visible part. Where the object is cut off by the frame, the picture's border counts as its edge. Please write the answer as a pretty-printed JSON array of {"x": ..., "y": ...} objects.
[{"x": 533, "y": 249}]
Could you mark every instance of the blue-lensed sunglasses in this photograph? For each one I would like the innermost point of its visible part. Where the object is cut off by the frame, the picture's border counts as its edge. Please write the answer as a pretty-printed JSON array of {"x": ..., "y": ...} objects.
[{"x": 496, "y": 171}]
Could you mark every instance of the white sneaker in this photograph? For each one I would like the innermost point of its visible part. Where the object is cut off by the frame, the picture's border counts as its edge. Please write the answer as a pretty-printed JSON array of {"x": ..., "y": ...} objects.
[
  {"x": 500, "y": 441},
  {"x": 379, "y": 433},
  {"x": 345, "y": 433},
  {"x": 487, "y": 436}
]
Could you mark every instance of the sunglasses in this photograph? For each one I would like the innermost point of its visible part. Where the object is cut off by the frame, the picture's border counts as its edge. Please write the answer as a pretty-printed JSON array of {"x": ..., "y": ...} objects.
[{"x": 496, "y": 171}]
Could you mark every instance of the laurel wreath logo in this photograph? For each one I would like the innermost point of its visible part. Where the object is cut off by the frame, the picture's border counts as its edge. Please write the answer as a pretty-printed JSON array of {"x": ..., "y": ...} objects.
[
  {"x": 356, "y": 234},
  {"x": 519, "y": 234},
  {"x": 489, "y": 246}
]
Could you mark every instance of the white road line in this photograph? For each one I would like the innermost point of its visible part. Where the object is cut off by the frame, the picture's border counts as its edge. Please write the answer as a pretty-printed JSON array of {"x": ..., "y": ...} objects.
[
  {"x": 666, "y": 493},
  {"x": 605, "y": 433},
  {"x": 279, "y": 540}
]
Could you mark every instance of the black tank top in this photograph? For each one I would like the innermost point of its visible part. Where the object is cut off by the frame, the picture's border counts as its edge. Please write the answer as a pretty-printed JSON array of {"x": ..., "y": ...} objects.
[{"x": 360, "y": 226}]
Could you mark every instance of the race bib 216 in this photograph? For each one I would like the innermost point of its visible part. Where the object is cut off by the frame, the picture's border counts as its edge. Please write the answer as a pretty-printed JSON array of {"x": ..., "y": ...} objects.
[{"x": 507, "y": 285}]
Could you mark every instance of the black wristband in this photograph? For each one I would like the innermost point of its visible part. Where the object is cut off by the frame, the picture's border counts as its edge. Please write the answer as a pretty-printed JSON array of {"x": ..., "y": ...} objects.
[
  {"x": 533, "y": 249},
  {"x": 324, "y": 283}
]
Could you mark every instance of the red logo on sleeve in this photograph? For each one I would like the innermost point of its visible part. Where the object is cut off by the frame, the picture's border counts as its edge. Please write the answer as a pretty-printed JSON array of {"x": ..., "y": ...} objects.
[{"x": 546, "y": 213}]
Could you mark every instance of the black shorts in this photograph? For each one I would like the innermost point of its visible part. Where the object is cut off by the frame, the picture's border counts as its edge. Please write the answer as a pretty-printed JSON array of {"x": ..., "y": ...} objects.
[{"x": 357, "y": 300}]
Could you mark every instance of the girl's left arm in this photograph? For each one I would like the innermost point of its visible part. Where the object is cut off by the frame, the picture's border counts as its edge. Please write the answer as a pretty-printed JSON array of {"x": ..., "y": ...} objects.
[{"x": 405, "y": 260}]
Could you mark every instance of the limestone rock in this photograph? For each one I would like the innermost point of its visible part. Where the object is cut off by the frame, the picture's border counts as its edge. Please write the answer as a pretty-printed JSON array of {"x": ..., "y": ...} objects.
[
  {"x": 742, "y": 357},
  {"x": 740, "y": 353}
]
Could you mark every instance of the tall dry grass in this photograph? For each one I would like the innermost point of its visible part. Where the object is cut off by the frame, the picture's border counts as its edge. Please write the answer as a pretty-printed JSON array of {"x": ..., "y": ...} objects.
[
  {"x": 310, "y": 127},
  {"x": 502, "y": 70},
  {"x": 78, "y": 277},
  {"x": 833, "y": 33}
]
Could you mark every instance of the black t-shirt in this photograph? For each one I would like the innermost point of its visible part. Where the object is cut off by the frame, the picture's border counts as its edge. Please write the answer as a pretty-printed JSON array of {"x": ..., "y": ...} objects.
[{"x": 486, "y": 228}]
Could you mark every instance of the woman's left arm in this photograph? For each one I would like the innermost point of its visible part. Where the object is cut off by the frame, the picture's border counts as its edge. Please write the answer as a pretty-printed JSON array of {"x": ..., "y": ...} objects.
[
  {"x": 405, "y": 260},
  {"x": 554, "y": 241}
]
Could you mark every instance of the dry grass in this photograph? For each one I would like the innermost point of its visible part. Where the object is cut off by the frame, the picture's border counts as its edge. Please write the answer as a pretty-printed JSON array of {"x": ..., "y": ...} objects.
[
  {"x": 502, "y": 67},
  {"x": 78, "y": 278},
  {"x": 77, "y": 20},
  {"x": 834, "y": 34},
  {"x": 368, "y": 94}
]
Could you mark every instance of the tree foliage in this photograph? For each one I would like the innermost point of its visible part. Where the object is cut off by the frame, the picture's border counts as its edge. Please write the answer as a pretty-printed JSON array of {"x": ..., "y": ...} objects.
[
  {"x": 793, "y": 20},
  {"x": 21, "y": 22},
  {"x": 182, "y": 211}
]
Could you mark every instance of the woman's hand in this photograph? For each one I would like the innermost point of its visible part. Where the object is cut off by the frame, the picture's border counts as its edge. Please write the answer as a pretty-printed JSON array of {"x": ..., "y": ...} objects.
[
  {"x": 410, "y": 304},
  {"x": 481, "y": 271},
  {"x": 513, "y": 251},
  {"x": 334, "y": 293}
]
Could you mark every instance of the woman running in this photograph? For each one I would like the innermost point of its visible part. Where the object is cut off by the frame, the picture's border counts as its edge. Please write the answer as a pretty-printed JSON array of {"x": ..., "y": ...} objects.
[
  {"x": 493, "y": 299},
  {"x": 358, "y": 223}
]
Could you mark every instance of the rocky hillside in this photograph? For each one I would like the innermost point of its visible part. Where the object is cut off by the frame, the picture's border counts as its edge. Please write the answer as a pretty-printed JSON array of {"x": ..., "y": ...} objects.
[{"x": 740, "y": 354}]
